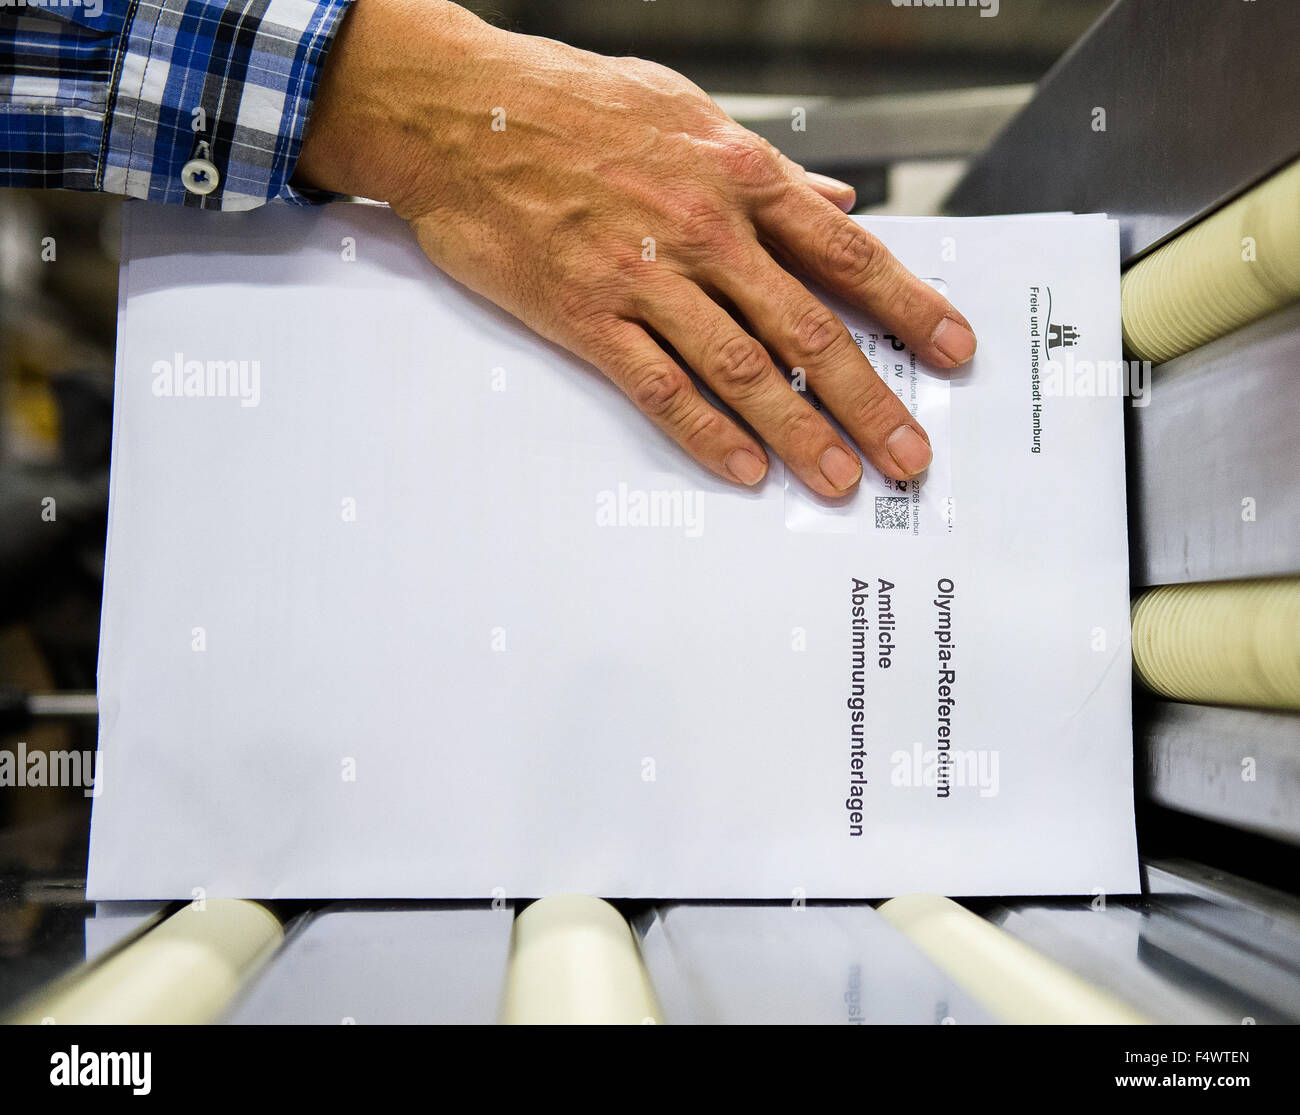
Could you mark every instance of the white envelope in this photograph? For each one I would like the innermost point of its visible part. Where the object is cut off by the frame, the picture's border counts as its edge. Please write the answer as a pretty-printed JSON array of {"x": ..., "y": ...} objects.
[{"x": 403, "y": 601}]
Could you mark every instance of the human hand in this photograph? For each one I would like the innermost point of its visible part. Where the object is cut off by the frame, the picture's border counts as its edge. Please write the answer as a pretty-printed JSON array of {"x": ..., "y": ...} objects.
[{"x": 613, "y": 207}]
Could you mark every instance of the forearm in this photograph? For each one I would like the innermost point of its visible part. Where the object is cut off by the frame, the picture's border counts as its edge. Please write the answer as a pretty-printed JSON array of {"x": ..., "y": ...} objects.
[
  {"x": 396, "y": 75},
  {"x": 128, "y": 94}
]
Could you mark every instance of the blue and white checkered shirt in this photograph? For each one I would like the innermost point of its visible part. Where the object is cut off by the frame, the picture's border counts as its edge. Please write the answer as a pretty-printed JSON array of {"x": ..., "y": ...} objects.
[{"x": 195, "y": 102}]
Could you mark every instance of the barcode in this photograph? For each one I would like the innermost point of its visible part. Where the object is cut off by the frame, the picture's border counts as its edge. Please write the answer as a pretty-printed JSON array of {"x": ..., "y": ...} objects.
[{"x": 892, "y": 513}]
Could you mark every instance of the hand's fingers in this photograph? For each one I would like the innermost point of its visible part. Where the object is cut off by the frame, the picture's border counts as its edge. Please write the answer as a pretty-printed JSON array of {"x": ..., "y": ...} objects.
[
  {"x": 739, "y": 369},
  {"x": 805, "y": 334},
  {"x": 665, "y": 394},
  {"x": 839, "y": 253},
  {"x": 840, "y": 194}
]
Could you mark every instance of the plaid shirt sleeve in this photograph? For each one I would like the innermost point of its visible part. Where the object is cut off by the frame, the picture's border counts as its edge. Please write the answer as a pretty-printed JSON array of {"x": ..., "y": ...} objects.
[{"x": 191, "y": 102}]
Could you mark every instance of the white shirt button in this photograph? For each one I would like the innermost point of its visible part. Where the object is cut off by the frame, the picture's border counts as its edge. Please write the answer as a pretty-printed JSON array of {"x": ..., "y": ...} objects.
[{"x": 200, "y": 176}]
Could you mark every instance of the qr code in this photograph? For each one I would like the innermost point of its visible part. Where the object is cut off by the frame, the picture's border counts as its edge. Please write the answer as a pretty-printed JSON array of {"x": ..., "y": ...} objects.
[{"x": 892, "y": 513}]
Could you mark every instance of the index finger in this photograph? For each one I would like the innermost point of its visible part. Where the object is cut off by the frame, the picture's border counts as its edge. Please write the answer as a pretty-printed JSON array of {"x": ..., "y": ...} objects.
[{"x": 834, "y": 249}]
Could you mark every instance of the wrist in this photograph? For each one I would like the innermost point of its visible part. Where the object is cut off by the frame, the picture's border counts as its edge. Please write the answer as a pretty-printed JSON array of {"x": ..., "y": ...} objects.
[{"x": 372, "y": 130}]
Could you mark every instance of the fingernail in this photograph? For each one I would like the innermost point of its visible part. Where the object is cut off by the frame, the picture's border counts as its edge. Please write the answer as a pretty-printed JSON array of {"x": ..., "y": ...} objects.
[
  {"x": 829, "y": 183},
  {"x": 840, "y": 468},
  {"x": 909, "y": 449},
  {"x": 954, "y": 340},
  {"x": 745, "y": 467}
]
